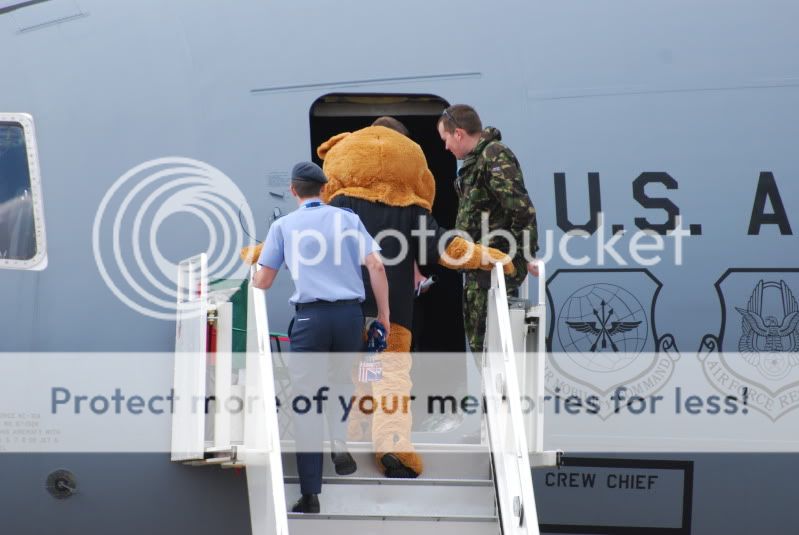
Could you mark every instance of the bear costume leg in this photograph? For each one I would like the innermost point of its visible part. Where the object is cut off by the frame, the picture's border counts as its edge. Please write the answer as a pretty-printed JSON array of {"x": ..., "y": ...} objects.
[
  {"x": 391, "y": 423},
  {"x": 358, "y": 422}
]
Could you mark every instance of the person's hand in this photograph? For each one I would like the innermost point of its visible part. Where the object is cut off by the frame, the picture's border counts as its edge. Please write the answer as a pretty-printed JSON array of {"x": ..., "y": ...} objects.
[
  {"x": 532, "y": 268},
  {"x": 418, "y": 279},
  {"x": 386, "y": 324}
]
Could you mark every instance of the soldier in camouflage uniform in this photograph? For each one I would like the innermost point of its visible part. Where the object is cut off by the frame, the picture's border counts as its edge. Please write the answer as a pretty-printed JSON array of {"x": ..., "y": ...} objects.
[{"x": 490, "y": 188}]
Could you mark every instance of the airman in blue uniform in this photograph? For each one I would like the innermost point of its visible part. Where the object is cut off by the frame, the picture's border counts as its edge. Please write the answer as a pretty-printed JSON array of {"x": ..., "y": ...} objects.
[{"x": 324, "y": 248}]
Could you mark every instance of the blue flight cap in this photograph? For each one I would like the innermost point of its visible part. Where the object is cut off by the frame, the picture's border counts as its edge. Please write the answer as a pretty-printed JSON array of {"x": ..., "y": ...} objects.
[{"x": 308, "y": 171}]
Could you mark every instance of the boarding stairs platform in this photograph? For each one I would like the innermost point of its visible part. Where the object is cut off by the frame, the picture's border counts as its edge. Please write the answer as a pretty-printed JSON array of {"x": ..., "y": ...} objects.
[
  {"x": 455, "y": 495},
  {"x": 475, "y": 488}
]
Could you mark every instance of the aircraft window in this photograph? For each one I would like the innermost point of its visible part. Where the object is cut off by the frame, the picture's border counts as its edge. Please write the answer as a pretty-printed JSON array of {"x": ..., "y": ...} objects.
[{"x": 21, "y": 224}]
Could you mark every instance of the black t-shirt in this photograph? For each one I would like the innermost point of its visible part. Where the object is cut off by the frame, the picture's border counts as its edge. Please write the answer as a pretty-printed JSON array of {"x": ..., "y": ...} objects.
[{"x": 378, "y": 217}]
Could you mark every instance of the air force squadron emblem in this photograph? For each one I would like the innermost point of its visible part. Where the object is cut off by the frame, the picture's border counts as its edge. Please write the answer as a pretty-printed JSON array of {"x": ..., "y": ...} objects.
[
  {"x": 605, "y": 328},
  {"x": 770, "y": 344},
  {"x": 757, "y": 348},
  {"x": 603, "y": 337}
]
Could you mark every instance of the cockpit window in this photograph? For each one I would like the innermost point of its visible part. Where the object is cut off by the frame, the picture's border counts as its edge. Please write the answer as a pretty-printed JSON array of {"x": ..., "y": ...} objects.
[{"x": 21, "y": 221}]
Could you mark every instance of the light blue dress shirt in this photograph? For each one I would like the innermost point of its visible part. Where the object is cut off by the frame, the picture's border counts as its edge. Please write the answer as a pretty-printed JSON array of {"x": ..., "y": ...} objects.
[{"x": 324, "y": 248}]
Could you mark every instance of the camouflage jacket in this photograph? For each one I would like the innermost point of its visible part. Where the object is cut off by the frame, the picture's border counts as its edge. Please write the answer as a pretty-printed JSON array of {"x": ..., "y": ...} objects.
[{"x": 490, "y": 182}]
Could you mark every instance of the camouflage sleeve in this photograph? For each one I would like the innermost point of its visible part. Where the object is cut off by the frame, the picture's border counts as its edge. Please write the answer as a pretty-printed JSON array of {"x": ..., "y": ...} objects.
[{"x": 506, "y": 181}]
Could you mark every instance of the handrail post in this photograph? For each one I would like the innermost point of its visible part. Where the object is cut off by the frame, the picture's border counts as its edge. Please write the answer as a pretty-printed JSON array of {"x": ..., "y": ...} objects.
[
  {"x": 506, "y": 433},
  {"x": 261, "y": 453}
]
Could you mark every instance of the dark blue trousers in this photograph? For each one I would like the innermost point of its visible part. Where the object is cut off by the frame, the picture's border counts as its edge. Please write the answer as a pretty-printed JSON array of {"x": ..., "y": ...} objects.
[{"x": 332, "y": 332}]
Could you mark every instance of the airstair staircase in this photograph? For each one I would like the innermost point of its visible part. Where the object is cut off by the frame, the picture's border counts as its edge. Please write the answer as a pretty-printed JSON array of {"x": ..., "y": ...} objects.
[
  {"x": 455, "y": 495},
  {"x": 481, "y": 488}
]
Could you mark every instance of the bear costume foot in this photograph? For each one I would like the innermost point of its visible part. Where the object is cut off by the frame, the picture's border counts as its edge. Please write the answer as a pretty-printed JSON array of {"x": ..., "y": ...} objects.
[{"x": 394, "y": 465}]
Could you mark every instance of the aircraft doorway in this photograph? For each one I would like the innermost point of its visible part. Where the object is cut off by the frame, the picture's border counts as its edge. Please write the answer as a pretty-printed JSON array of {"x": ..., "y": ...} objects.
[{"x": 438, "y": 323}]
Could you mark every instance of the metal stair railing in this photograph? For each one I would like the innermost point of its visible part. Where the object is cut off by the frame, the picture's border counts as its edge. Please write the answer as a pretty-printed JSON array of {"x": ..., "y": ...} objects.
[
  {"x": 505, "y": 423},
  {"x": 261, "y": 451},
  {"x": 189, "y": 379},
  {"x": 529, "y": 340}
]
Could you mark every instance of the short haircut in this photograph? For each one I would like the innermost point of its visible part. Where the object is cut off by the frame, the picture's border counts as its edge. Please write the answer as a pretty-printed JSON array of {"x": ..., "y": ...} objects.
[
  {"x": 307, "y": 188},
  {"x": 394, "y": 124},
  {"x": 461, "y": 116}
]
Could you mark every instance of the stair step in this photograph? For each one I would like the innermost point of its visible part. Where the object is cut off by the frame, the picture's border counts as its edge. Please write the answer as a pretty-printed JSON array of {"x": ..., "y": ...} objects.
[
  {"x": 351, "y": 480},
  {"x": 441, "y": 462},
  {"x": 210, "y": 461},
  {"x": 300, "y": 524},
  {"x": 418, "y": 500}
]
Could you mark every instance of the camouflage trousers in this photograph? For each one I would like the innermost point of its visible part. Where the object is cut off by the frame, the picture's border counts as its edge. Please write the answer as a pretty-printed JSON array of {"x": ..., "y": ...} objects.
[{"x": 475, "y": 306}]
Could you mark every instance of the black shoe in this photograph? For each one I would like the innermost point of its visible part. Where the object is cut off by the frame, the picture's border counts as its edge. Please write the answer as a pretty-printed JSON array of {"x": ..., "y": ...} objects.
[
  {"x": 395, "y": 468},
  {"x": 309, "y": 503},
  {"x": 342, "y": 460}
]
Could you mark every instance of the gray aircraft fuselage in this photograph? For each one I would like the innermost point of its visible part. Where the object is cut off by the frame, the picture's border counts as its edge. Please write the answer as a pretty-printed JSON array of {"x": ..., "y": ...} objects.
[{"x": 624, "y": 116}]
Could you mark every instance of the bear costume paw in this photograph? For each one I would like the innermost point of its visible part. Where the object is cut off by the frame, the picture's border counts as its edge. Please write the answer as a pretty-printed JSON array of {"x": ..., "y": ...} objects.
[{"x": 461, "y": 254}]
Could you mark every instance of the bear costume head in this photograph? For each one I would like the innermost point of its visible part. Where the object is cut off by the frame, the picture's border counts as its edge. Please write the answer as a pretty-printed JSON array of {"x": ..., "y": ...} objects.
[{"x": 400, "y": 176}]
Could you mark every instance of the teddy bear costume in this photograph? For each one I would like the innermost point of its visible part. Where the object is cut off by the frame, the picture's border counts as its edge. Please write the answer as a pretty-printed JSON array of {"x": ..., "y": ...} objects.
[{"x": 382, "y": 176}]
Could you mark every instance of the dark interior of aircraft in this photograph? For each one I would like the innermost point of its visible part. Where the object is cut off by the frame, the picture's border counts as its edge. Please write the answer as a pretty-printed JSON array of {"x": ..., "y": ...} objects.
[
  {"x": 438, "y": 320},
  {"x": 446, "y": 332}
]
